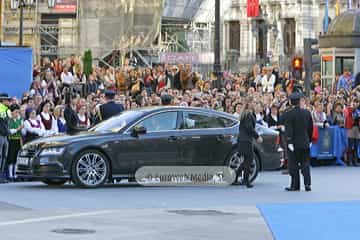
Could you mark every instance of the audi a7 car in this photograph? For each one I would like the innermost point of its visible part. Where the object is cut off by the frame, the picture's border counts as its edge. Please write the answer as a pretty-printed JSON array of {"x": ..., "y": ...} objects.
[{"x": 157, "y": 136}]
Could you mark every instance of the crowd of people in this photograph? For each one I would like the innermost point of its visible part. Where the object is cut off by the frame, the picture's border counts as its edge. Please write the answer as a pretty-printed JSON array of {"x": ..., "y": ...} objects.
[{"x": 63, "y": 99}]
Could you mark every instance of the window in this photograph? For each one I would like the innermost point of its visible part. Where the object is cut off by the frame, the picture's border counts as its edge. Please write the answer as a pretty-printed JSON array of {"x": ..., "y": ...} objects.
[
  {"x": 327, "y": 68},
  {"x": 201, "y": 121},
  {"x": 160, "y": 122},
  {"x": 234, "y": 36},
  {"x": 344, "y": 62}
]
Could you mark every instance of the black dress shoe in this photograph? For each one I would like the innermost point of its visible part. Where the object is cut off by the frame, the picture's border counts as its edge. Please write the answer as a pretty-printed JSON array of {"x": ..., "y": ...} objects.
[
  {"x": 291, "y": 189},
  {"x": 307, "y": 188},
  {"x": 249, "y": 185}
]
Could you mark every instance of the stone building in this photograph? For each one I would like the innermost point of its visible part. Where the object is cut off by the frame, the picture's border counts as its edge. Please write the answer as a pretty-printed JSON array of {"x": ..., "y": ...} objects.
[
  {"x": 276, "y": 35},
  {"x": 51, "y": 30}
]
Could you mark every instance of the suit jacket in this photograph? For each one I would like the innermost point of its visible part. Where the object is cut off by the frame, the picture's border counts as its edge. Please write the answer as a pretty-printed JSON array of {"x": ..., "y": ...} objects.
[
  {"x": 247, "y": 128},
  {"x": 298, "y": 127},
  {"x": 110, "y": 109},
  {"x": 271, "y": 121},
  {"x": 72, "y": 121}
]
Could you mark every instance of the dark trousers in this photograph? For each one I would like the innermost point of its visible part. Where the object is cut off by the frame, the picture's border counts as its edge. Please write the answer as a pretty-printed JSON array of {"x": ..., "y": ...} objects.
[
  {"x": 352, "y": 149},
  {"x": 246, "y": 150},
  {"x": 299, "y": 159}
]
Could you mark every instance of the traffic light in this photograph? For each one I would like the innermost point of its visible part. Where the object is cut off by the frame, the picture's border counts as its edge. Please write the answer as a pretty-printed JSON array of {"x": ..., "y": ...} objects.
[
  {"x": 311, "y": 60},
  {"x": 297, "y": 67}
]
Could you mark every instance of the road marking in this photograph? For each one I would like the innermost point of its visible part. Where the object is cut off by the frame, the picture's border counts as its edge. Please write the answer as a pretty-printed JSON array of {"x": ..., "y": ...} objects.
[{"x": 52, "y": 218}]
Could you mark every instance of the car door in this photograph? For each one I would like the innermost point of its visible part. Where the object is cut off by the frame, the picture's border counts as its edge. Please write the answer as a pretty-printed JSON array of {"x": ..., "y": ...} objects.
[
  {"x": 205, "y": 140},
  {"x": 157, "y": 147}
]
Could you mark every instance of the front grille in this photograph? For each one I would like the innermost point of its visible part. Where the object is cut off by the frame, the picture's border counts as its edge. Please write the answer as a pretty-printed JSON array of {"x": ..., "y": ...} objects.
[{"x": 30, "y": 152}]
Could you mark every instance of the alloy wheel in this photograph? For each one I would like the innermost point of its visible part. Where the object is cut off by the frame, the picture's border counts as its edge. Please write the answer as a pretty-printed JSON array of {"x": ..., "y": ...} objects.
[{"x": 91, "y": 169}]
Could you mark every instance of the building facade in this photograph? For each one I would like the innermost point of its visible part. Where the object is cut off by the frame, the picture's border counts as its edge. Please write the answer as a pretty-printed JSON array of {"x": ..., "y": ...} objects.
[
  {"x": 50, "y": 29},
  {"x": 276, "y": 35}
]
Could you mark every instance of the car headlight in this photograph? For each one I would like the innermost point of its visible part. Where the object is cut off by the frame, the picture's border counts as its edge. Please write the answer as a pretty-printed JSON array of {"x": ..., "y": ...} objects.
[{"x": 52, "y": 151}]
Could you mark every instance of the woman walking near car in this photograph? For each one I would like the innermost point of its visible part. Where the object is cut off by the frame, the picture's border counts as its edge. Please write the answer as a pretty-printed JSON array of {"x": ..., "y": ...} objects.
[{"x": 245, "y": 141}]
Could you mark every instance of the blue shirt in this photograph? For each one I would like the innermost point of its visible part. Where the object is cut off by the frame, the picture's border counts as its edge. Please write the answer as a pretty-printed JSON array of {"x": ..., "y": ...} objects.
[{"x": 343, "y": 82}]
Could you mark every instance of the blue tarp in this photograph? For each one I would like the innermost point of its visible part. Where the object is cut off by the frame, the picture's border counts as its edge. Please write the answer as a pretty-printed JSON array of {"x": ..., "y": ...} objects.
[
  {"x": 331, "y": 144},
  {"x": 15, "y": 70}
]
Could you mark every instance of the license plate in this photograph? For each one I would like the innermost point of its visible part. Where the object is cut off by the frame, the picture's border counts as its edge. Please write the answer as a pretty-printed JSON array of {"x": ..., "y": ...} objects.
[{"x": 23, "y": 161}]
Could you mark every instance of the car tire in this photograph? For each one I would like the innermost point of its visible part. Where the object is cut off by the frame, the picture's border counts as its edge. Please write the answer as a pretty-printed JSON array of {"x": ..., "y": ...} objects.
[
  {"x": 90, "y": 169},
  {"x": 234, "y": 161},
  {"x": 54, "y": 182}
]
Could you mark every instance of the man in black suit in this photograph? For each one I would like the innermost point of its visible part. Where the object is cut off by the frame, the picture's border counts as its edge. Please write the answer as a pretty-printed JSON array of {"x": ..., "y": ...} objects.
[
  {"x": 70, "y": 115},
  {"x": 110, "y": 108},
  {"x": 298, "y": 130}
]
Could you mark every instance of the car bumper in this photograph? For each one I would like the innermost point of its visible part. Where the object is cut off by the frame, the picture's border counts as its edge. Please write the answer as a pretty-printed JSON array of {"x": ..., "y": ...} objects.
[{"x": 42, "y": 167}]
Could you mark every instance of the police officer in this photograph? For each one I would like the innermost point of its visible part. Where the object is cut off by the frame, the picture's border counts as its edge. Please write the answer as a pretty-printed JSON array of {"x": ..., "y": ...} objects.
[
  {"x": 4, "y": 133},
  {"x": 110, "y": 108},
  {"x": 298, "y": 131}
]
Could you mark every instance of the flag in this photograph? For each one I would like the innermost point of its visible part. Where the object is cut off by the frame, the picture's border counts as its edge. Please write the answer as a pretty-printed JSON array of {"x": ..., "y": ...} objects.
[
  {"x": 253, "y": 8},
  {"x": 326, "y": 17},
  {"x": 337, "y": 8}
]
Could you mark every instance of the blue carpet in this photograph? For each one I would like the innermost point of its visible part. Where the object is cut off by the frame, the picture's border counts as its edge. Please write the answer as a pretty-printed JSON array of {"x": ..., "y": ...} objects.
[{"x": 320, "y": 221}]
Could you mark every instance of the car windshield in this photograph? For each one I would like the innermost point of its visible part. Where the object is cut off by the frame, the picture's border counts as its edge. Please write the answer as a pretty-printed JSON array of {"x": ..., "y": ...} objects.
[{"x": 116, "y": 123}]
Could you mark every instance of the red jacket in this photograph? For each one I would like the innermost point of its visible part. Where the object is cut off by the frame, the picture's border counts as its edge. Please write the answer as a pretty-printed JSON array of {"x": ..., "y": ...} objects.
[{"x": 349, "y": 121}]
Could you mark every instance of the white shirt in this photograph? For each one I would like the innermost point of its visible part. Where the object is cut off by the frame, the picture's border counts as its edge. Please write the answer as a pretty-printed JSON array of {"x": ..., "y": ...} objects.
[
  {"x": 54, "y": 127},
  {"x": 67, "y": 78},
  {"x": 28, "y": 128},
  {"x": 83, "y": 118},
  {"x": 268, "y": 83}
]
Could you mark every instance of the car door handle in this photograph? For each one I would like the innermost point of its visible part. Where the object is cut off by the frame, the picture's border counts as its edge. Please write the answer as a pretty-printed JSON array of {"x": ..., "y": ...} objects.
[
  {"x": 222, "y": 138},
  {"x": 172, "y": 138}
]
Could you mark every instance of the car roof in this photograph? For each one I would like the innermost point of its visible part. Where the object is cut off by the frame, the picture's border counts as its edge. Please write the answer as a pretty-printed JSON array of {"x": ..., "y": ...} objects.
[{"x": 180, "y": 108}]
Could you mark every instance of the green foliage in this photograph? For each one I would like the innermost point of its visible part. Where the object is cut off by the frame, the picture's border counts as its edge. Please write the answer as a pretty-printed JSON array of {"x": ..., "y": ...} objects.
[{"x": 87, "y": 61}]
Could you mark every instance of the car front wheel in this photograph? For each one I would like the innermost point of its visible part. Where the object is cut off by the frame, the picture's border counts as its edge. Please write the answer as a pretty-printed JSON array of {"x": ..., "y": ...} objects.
[
  {"x": 90, "y": 169},
  {"x": 236, "y": 162}
]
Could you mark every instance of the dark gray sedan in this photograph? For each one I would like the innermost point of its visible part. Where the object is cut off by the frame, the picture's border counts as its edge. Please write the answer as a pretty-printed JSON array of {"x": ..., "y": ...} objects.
[{"x": 160, "y": 136}]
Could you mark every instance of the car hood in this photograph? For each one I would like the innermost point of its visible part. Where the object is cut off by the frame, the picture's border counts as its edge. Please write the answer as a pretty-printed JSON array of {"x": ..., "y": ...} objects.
[{"x": 61, "y": 140}]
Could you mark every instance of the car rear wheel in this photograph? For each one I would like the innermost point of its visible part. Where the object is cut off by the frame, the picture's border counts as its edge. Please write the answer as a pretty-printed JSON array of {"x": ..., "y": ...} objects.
[
  {"x": 90, "y": 169},
  {"x": 235, "y": 161},
  {"x": 54, "y": 182}
]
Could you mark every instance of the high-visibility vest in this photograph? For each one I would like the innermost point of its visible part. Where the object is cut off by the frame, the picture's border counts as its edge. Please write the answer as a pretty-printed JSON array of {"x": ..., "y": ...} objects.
[{"x": 4, "y": 111}]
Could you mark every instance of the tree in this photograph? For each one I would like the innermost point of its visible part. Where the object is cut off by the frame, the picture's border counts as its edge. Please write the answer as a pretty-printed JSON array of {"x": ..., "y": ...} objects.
[{"x": 87, "y": 61}]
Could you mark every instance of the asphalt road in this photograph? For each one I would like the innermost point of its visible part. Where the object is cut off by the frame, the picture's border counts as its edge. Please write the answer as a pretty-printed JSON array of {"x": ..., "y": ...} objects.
[{"x": 124, "y": 210}]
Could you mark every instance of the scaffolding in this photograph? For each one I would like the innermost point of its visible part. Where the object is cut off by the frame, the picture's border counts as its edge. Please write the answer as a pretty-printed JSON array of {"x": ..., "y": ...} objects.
[{"x": 53, "y": 37}]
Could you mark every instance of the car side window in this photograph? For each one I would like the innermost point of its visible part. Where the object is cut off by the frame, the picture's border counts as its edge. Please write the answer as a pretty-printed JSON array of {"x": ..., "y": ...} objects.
[
  {"x": 160, "y": 122},
  {"x": 201, "y": 121}
]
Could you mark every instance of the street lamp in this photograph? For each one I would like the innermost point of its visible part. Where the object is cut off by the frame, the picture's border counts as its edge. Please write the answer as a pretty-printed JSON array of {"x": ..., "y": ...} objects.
[
  {"x": 217, "y": 63},
  {"x": 22, "y": 4}
]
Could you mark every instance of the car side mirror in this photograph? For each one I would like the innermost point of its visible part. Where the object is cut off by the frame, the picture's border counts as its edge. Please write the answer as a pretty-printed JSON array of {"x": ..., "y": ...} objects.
[{"x": 138, "y": 130}]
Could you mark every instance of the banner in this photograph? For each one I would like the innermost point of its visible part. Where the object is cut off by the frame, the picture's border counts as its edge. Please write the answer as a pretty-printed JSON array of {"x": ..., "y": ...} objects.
[
  {"x": 68, "y": 6},
  {"x": 15, "y": 70},
  {"x": 337, "y": 8},
  {"x": 253, "y": 8},
  {"x": 331, "y": 144},
  {"x": 326, "y": 17},
  {"x": 187, "y": 57}
]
